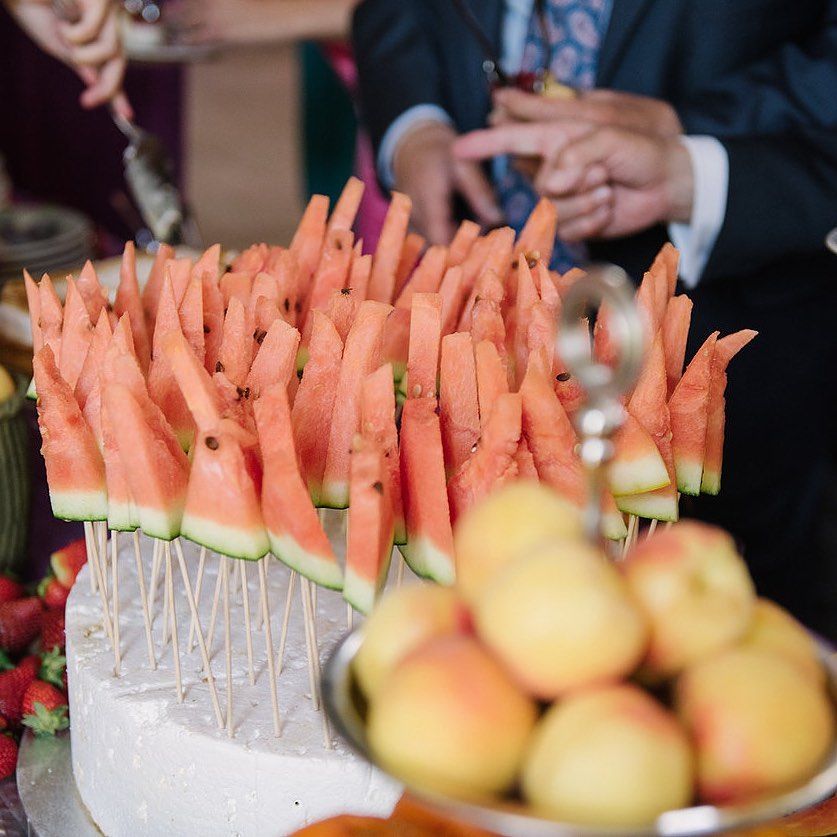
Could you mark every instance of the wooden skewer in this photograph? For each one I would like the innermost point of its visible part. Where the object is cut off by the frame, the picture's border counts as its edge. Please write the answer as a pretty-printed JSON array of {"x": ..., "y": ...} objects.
[
  {"x": 266, "y": 561},
  {"x": 310, "y": 641},
  {"x": 117, "y": 649},
  {"x": 88, "y": 541},
  {"x": 156, "y": 558},
  {"x": 245, "y": 598},
  {"x": 166, "y": 613},
  {"x": 399, "y": 578},
  {"x": 216, "y": 598},
  {"x": 97, "y": 568},
  {"x": 268, "y": 639},
  {"x": 193, "y": 607},
  {"x": 175, "y": 649},
  {"x": 225, "y": 575},
  {"x": 652, "y": 527},
  {"x": 285, "y": 619},
  {"x": 103, "y": 555},
  {"x": 307, "y": 597},
  {"x": 633, "y": 523},
  {"x": 198, "y": 586},
  {"x": 149, "y": 640}
]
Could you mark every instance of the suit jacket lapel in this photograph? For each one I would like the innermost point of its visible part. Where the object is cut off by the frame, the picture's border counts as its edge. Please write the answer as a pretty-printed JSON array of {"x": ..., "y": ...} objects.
[{"x": 624, "y": 17}]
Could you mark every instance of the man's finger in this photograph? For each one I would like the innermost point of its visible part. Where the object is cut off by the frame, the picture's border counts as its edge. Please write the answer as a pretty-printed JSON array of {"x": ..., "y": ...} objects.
[
  {"x": 97, "y": 52},
  {"x": 93, "y": 16},
  {"x": 534, "y": 107},
  {"x": 531, "y": 139},
  {"x": 581, "y": 205},
  {"x": 473, "y": 185},
  {"x": 595, "y": 148},
  {"x": 588, "y": 226},
  {"x": 107, "y": 84}
]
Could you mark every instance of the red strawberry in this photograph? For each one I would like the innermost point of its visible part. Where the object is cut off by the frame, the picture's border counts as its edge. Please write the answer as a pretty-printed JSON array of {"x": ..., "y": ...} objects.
[
  {"x": 8, "y": 756},
  {"x": 12, "y": 686},
  {"x": 31, "y": 665},
  {"x": 52, "y": 630},
  {"x": 44, "y": 708},
  {"x": 9, "y": 589},
  {"x": 53, "y": 592},
  {"x": 20, "y": 623},
  {"x": 67, "y": 562}
]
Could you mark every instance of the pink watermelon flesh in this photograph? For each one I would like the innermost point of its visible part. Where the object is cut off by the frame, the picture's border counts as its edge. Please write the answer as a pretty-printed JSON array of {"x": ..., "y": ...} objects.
[
  {"x": 427, "y": 276},
  {"x": 123, "y": 515},
  {"x": 526, "y": 468},
  {"x": 154, "y": 285},
  {"x": 397, "y": 341},
  {"x": 223, "y": 510},
  {"x": 537, "y": 238},
  {"x": 370, "y": 526},
  {"x": 359, "y": 277},
  {"x": 213, "y": 320},
  {"x": 494, "y": 463},
  {"x": 465, "y": 238},
  {"x": 51, "y": 316},
  {"x": 637, "y": 465},
  {"x": 275, "y": 361},
  {"x": 33, "y": 303},
  {"x": 236, "y": 352},
  {"x": 689, "y": 411},
  {"x": 497, "y": 261},
  {"x": 284, "y": 267},
  {"x": 88, "y": 389},
  {"x": 725, "y": 349},
  {"x": 293, "y": 527},
  {"x": 307, "y": 242},
  {"x": 76, "y": 335},
  {"x": 377, "y": 422},
  {"x": 361, "y": 355},
  {"x": 235, "y": 285},
  {"x": 128, "y": 301},
  {"x": 191, "y": 317},
  {"x": 459, "y": 415},
  {"x": 452, "y": 293},
  {"x": 525, "y": 301},
  {"x": 388, "y": 252},
  {"x": 209, "y": 262},
  {"x": 342, "y": 310},
  {"x": 314, "y": 403},
  {"x": 675, "y": 335},
  {"x": 180, "y": 272},
  {"x": 423, "y": 355},
  {"x": 491, "y": 378},
  {"x": 410, "y": 252},
  {"x": 332, "y": 272},
  {"x": 94, "y": 295},
  {"x": 74, "y": 465},
  {"x": 429, "y": 548}
]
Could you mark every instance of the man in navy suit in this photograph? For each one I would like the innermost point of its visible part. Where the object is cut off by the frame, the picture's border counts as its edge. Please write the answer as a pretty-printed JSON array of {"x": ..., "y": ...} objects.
[{"x": 709, "y": 122}]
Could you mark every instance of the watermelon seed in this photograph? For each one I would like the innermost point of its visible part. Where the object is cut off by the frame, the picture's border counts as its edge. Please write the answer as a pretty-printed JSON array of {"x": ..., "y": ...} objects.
[
  {"x": 378, "y": 486},
  {"x": 338, "y": 245},
  {"x": 345, "y": 291},
  {"x": 228, "y": 268},
  {"x": 243, "y": 392},
  {"x": 514, "y": 264},
  {"x": 212, "y": 443},
  {"x": 474, "y": 447},
  {"x": 417, "y": 390},
  {"x": 206, "y": 329},
  {"x": 219, "y": 367},
  {"x": 287, "y": 304},
  {"x": 437, "y": 410},
  {"x": 299, "y": 374},
  {"x": 259, "y": 335},
  {"x": 532, "y": 258},
  {"x": 298, "y": 307},
  {"x": 563, "y": 376}
]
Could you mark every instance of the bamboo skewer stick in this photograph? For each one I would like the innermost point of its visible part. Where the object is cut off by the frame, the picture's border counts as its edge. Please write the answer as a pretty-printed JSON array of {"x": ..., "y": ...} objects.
[
  {"x": 245, "y": 598},
  {"x": 285, "y": 619},
  {"x": 216, "y": 598},
  {"x": 149, "y": 640},
  {"x": 114, "y": 557},
  {"x": 266, "y": 561},
  {"x": 399, "y": 578},
  {"x": 633, "y": 525},
  {"x": 268, "y": 639},
  {"x": 310, "y": 641},
  {"x": 175, "y": 649},
  {"x": 166, "y": 614},
  {"x": 88, "y": 538},
  {"x": 156, "y": 558},
  {"x": 193, "y": 607},
  {"x": 103, "y": 555},
  {"x": 97, "y": 568},
  {"x": 225, "y": 575},
  {"x": 315, "y": 658},
  {"x": 198, "y": 586},
  {"x": 652, "y": 527}
]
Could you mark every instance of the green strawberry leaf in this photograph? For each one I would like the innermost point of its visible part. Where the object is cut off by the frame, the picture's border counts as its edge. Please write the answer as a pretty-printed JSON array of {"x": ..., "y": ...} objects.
[
  {"x": 53, "y": 664},
  {"x": 47, "y": 721},
  {"x": 5, "y": 661}
]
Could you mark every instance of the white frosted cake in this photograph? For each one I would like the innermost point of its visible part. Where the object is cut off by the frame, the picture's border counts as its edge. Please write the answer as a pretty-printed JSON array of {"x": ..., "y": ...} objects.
[{"x": 148, "y": 765}]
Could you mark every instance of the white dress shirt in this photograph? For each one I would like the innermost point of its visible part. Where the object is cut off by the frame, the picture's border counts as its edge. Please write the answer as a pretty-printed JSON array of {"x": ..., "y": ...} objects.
[{"x": 710, "y": 162}]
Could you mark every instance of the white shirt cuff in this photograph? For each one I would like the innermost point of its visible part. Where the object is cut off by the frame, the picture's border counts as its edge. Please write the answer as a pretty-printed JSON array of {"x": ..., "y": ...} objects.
[
  {"x": 404, "y": 123},
  {"x": 695, "y": 240}
]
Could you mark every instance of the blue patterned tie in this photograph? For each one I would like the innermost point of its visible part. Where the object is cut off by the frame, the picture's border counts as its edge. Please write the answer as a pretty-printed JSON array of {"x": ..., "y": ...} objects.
[{"x": 574, "y": 30}]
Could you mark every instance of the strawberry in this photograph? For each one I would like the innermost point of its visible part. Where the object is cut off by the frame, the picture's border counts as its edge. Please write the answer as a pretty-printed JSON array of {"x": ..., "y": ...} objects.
[
  {"x": 52, "y": 630},
  {"x": 20, "y": 623},
  {"x": 9, "y": 589},
  {"x": 44, "y": 708},
  {"x": 53, "y": 593},
  {"x": 67, "y": 562},
  {"x": 8, "y": 756},
  {"x": 12, "y": 686},
  {"x": 31, "y": 665},
  {"x": 54, "y": 668}
]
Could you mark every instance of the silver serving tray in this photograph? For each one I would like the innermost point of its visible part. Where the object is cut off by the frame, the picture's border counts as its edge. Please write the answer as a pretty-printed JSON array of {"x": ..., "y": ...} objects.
[{"x": 344, "y": 706}]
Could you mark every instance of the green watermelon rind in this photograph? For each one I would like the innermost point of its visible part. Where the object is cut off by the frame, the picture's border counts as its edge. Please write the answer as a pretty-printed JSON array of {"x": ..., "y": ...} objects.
[
  {"x": 359, "y": 592},
  {"x": 710, "y": 482},
  {"x": 79, "y": 505},
  {"x": 689, "y": 475},
  {"x": 234, "y": 542},
  {"x": 333, "y": 495},
  {"x": 316, "y": 568},
  {"x": 426, "y": 560},
  {"x": 399, "y": 370},
  {"x": 399, "y": 537},
  {"x": 163, "y": 525},
  {"x": 637, "y": 476},
  {"x": 123, "y": 517},
  {"x": 613, "y": 527},
  {"x": 649, "y": 507},
  {"x": 31, "y": 391}
]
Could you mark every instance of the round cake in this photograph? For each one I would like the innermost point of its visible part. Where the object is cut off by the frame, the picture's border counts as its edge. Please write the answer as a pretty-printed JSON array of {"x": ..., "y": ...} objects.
[{"x": 146, "y": 764}]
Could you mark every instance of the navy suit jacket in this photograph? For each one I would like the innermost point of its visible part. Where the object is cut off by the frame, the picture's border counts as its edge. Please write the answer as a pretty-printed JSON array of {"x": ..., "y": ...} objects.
[{"x": 761, "y": 75}]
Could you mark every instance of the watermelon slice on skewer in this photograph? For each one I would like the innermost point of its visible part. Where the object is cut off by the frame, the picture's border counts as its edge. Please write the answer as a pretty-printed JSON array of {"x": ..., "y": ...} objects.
[
  {"x": 410, "y": 253},
  {"x": 675, "y": 336},
  {"x": 128, "y": 301},
  {"x": 459, "y": 414},
  {"x": 388, "y": 252},
  {"x": 425, "y": 334},
  {"x": 76, "y": 335},
  {"x": 637, "y": 465},
  {"x": 275, "y": 360}
]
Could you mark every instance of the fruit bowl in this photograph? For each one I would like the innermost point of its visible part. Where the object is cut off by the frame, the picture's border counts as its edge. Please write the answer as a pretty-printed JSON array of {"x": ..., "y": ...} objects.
[{"x": 346, "y": 709}]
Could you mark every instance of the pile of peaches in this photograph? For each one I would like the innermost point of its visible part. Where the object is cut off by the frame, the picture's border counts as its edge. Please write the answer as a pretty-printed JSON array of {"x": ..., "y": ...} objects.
[{"x": 599, "y": 693}]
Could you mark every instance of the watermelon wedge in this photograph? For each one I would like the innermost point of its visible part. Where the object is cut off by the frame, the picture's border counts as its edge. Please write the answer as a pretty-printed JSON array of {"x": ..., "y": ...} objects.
[
  {"x": 359, "y": 277},
  {"x": 689, "y": 411},
  {"x": 361, "y": 355},
  {"x": 264, "y": 286},
  {"x": 332, "y": 272},
  {"x": 497, "y": 262},
  {"x": 370, "y": 526},
  {"x": 94, "y": 295},
  {"x": 494, "y": 462},
  {"x": 154, "y": 285},
  {"x": 236, "y": 285},
  {"x": 539, "y": 338},
  {"x": 429, "y": 547},
  {"x": 212, "y": 303},
  {"x": 345, "y": 210},
  {"x": 76, "y": 335},
  {"x": 342, "y": 310},
  {"x": 452, "y": 293},
  {"x": 33, "y": 303},
  {"x": 284, "y": 267},
  {"x": 191, "y": 317},
  {"x": 123, "y": 515},
  {"x": 128, "y": 301},
  {"x": 526, "y": 299},
  {"x": 725, "y": 350},
  {"x": 180, "y": 272},
  {"x": 667, "y": 261},
  {"x": 74, "y": 465},
  {"x": 459, "y": 415},
  {"x": 646, "y": 301},
  {"x": 537, "y": 238},
  {"x": 276, "y": 358},
  {"x": 466, "y": 236},
  {"x": 251, "y": 260},
  {"x": 410, "y": 253},
  {"x": 491, "y": 378},
  {"x": 547, "y": 289},
  {"x": 314, "y": 403},
  {"x": 223, "y": 509},
  {"x": 293, "y": 527},
  {"x": 675, "y": 336},
  {"x": 51, "y": 316},
  {"x": 397, "y": 341},
  {"x": 637, "y": 465},
  {"x": 427, "y": 276},
  {"x": 265, "y": 312},
  {"x": 209, "y": 262},
  {"x": 425, "y": 334},
  {"x": 236, "y": 352},
  {"x": 388, "y": 253},
  {"x": 526, "y": 468},
  {"x": 307, "y": 242},
  {"x": 157, "y": 479},
  {"x": 88, "y": 380}
]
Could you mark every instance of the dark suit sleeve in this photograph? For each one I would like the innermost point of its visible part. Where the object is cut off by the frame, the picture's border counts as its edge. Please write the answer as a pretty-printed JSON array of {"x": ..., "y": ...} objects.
[
  {"x": 782, "y": 200},
  {"x": 397, "y": 68}
]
